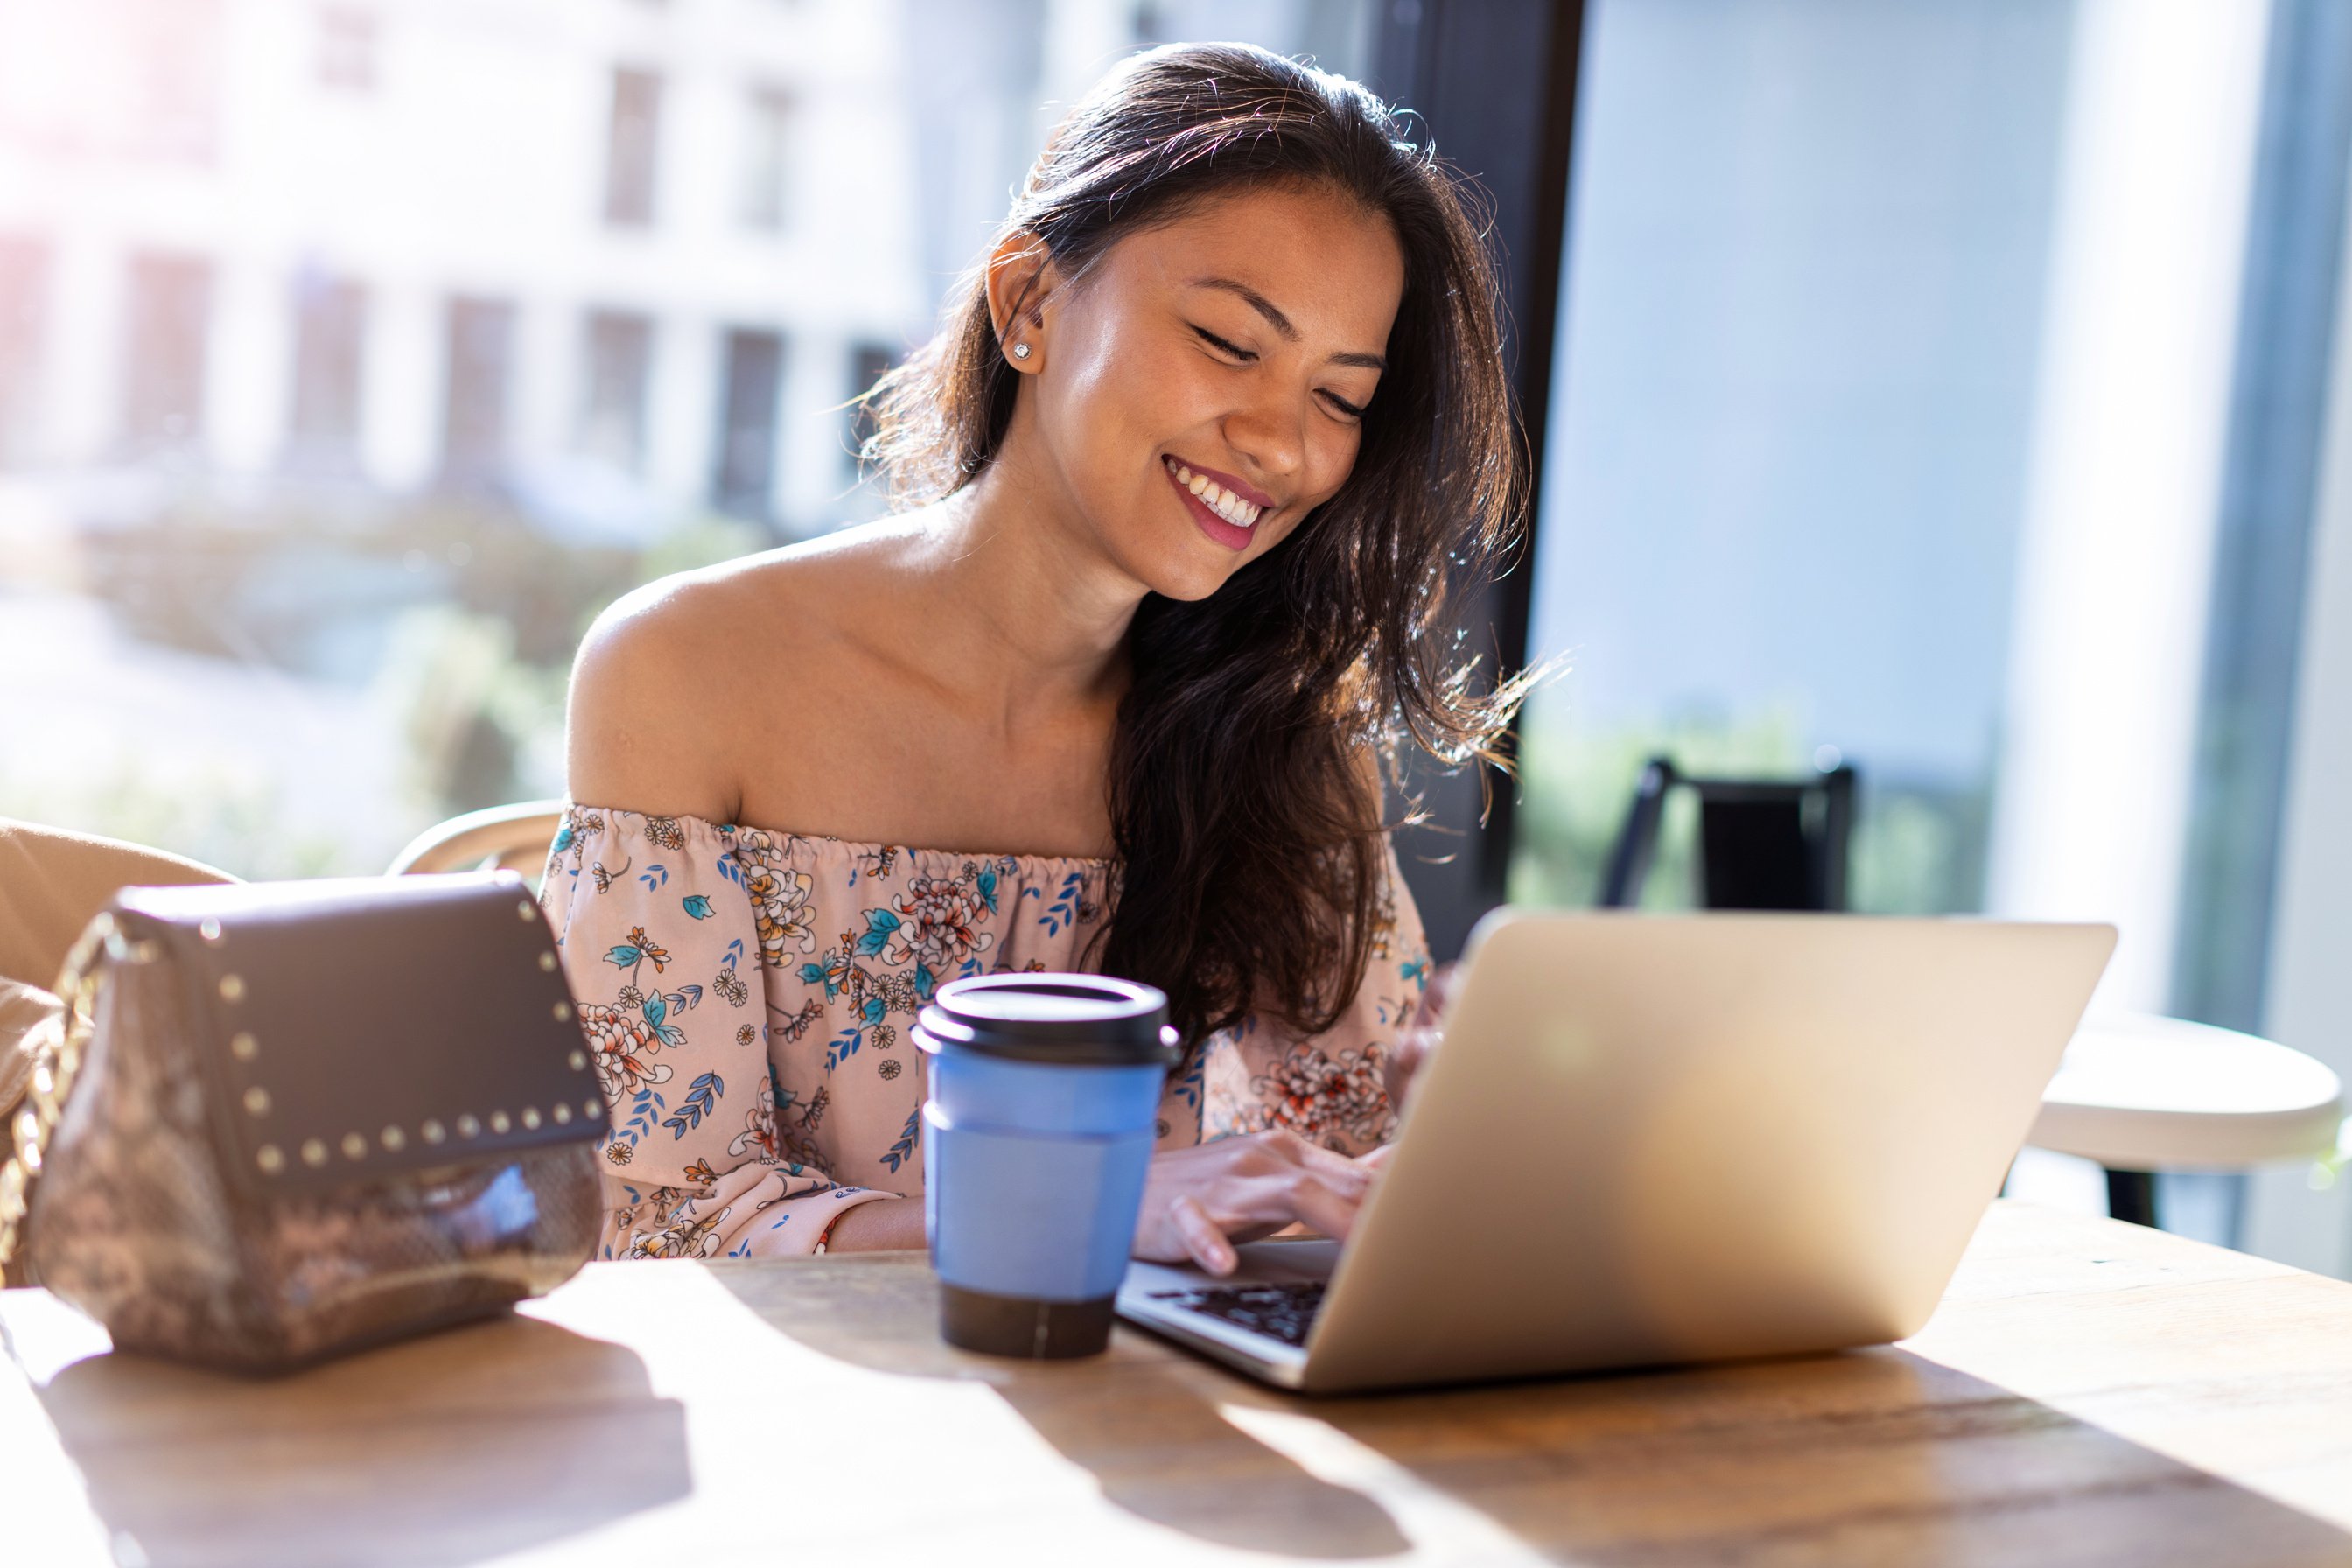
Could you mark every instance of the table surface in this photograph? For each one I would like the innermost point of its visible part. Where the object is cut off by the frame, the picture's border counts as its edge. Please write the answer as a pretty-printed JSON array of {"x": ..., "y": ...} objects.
[
  {"x": 2138, "y": 1092},
  {"x": 2089, "y": 1392}
]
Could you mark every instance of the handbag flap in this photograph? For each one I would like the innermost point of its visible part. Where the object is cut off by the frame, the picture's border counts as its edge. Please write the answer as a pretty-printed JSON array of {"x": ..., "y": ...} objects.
[{"x": 353, "y": 1029}]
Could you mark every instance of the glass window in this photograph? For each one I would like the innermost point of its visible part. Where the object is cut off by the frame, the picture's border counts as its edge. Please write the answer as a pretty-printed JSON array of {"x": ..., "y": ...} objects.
[
  {"x": 620, "y": 355},
  {"x": 631, "y": 148},
  {"x": 1940, "y": 389},
  {"x": 330, "y": 338},
  {"x": 345, "y": 58},
  {"x": 1800, "y": 336},
  {"x": 747, "y": 432},
  {"x": 474, "y": 418},
  {"x": 173, "y": 51},
  {"x": 23, "y": 280},
  {"x": 767, "y": 158},
  {"x": 169, "y": 323}
]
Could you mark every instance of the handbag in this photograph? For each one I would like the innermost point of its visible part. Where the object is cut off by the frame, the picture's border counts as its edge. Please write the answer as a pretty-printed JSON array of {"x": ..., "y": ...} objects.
[{"x": 284, "y": 1120}]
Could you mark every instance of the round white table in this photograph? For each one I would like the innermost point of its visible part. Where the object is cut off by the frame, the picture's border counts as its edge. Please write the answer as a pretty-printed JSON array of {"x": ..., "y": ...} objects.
[{"x": 2138, "y": 1094}]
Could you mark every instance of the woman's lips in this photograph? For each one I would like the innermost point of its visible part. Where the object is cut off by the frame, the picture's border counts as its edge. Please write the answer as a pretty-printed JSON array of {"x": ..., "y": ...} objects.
[
  {"x": 1236, "y": 537},
  {"x": 1228, "y": 483}
]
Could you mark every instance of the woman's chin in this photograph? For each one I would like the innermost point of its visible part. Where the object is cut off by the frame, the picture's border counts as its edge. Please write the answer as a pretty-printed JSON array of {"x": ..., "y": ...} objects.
[
  {"x": 1192, "y": 581},
  {"x": 1172, "y": 571},
  {"x": 1193, "y": 568}
]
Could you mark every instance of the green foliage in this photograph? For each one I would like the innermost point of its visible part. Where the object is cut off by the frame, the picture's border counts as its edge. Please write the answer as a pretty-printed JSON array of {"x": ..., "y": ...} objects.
[
  {"x": 1576, "y": 786},
  {"x": 482, "y": 711},
  {"x": 1919, "y": 849},
  {"x": 208, "y": 815},
  {"x": 481, "y": 726},
  {"x": 698, "y": 543},
  {"x": 439, "y": 631}
]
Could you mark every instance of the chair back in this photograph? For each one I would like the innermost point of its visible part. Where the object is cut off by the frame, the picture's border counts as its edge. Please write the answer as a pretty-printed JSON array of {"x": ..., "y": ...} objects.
[
  {"x": 497, "y": 838},
  {"x": 1763, "y": 844}
]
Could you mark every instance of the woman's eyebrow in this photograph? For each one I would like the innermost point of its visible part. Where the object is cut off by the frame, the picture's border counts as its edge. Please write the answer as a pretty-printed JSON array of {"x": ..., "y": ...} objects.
[{"x": 1280, "y": 322}]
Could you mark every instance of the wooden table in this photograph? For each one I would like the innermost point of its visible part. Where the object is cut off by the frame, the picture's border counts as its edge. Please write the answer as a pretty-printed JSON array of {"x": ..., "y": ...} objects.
[{"x": 2089, "y": 1393}]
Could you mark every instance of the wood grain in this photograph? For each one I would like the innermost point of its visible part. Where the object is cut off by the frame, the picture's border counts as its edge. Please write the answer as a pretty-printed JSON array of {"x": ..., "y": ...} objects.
[{"x": 2089, "y": 1393}]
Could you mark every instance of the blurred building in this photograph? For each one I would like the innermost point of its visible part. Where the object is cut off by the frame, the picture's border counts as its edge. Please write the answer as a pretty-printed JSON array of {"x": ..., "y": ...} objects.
[
  {"x": 354, "y": 353},
  {"x": 558, "y": 247}
]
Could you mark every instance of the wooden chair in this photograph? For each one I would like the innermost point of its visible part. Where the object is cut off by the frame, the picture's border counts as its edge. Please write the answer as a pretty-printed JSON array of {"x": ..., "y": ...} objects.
[{"x": 497, "y": 838}]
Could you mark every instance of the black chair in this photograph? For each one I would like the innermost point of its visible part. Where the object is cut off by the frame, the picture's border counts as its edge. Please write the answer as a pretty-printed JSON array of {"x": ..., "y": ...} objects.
[{"x": 1763, "y": 845}]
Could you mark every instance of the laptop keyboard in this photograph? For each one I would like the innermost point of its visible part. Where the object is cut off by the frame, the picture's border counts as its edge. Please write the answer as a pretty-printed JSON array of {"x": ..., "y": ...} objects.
[{"x": 1282, "y": 1312}]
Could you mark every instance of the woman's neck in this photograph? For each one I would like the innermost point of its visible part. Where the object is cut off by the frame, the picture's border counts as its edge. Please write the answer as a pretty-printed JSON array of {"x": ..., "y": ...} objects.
[{"x": 1024, "y": 607}]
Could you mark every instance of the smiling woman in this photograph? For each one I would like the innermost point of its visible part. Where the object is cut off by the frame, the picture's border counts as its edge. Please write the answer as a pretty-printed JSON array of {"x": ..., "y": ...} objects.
[
  {"x": 1187, "y": 486},
  {"x": 1160, "y": 352}
]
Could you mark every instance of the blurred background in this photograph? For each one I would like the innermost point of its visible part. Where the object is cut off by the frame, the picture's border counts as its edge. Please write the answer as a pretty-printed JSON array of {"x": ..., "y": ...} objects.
[
  {"x": 354, "y": 353},
  {"x": 1951, "y": 388}
]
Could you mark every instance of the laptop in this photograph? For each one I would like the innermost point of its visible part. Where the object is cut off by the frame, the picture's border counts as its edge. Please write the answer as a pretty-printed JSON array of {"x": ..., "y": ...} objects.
[{"x": 1651, "y": 1139}]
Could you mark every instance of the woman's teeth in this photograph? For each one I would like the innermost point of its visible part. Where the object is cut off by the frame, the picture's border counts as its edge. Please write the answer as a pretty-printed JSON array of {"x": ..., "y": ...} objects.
[{"x": 1223, "y": 503}]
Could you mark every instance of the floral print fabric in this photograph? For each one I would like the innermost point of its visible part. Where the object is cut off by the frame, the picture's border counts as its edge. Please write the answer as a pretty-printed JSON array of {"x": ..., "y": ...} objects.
[{"x": 746, "y": 996}]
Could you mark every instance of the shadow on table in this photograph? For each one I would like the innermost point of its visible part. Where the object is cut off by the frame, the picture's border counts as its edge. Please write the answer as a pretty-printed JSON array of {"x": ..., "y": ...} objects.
[
  {"x": 1160, "y": 1448},
  {"x": 1142, "y": 1420},
  {"x": 1868, "y": 1457},
  {"x": 439, "y": 1451}
]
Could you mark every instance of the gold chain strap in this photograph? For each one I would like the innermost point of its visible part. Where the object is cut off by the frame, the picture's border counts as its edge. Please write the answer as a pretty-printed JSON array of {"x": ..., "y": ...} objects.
[{"x": 57, "y": 1058}]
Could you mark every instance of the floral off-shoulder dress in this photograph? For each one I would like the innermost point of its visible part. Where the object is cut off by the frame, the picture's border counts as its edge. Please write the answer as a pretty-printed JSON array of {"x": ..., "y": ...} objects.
[{"x": 747, "y": 993}]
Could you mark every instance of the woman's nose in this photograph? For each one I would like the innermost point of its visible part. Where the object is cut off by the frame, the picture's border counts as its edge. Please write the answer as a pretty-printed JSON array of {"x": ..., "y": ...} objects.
[{"x": 1270, "y": 435}]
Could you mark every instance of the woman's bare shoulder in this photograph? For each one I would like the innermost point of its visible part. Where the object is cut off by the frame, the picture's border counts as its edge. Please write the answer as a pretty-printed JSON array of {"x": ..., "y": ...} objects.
[{"x": 667, "y": 682}]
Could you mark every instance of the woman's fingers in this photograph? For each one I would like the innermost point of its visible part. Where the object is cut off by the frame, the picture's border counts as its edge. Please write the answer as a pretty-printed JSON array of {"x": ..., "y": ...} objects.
[
  {"x": 1339, "y": 1170},
  {"x": 1326, "y": 1207},
  {"x": 1246, "y": 1187},
  {"x": 1203, "y": 1238}
]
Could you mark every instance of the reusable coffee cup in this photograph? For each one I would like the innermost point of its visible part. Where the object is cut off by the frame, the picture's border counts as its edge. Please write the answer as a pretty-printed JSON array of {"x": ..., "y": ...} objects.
[{"x": 1043, "y": 1106}]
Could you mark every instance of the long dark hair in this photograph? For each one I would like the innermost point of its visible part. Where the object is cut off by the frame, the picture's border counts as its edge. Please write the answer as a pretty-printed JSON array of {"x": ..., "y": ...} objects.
[{"x": 1245, "y": 773}]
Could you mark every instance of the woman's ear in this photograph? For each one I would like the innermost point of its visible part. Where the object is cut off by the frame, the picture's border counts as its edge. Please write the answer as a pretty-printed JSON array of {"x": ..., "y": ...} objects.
[{"x": 1020, "y": 279}]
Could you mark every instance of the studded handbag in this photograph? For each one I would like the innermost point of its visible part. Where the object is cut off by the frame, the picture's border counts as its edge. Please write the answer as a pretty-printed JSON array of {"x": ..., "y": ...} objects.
[{"x": 284, "y": 1120}]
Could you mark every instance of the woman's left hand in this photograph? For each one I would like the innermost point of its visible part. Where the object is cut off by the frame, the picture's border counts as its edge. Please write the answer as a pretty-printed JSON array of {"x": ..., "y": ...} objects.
[{"x": 1411, "y": 1050}]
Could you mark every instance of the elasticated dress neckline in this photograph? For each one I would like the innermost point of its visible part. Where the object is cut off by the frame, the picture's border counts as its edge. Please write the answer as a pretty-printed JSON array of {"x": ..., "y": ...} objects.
[{"x": 745, "y": 994}]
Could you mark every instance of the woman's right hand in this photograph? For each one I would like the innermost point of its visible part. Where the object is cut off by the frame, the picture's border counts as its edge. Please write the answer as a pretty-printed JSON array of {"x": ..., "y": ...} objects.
[{"x": 1198, "y": 1201}]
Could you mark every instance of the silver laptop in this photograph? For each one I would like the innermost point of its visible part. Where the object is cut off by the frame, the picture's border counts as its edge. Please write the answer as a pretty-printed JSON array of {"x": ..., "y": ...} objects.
[{"x": 1660, "y": 1139}]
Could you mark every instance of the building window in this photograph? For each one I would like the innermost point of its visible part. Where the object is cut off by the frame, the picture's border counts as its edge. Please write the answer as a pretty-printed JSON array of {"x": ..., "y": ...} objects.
[
  {"x": 329, "y": 339},
  {"x": 613, "y": 416},
  {"x": 482, "y": 359},
  {"x": 767, "y": 148},
  {"x": 344, "y": 54},
  {"x": 632, "y": 148},
  {"x": 164, "y": 379},
  {"x": 24, "y": 278},
  {"x": 171, "y": 70},
  {"x": 747, "y": 431}
]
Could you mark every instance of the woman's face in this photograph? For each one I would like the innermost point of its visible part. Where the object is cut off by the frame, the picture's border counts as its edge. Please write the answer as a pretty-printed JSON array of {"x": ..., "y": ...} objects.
[{"x": 1200, "y": 392}]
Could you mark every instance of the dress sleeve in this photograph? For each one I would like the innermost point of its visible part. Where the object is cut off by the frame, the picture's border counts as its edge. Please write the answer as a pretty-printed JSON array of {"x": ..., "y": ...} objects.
[
  {"x": 661, "y": 946},
  {"x": 1328, "y": 1089}
]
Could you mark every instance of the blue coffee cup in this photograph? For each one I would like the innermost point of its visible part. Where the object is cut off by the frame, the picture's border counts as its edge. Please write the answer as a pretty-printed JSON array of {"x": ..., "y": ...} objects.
[{"x": 1043, "y": 1107}]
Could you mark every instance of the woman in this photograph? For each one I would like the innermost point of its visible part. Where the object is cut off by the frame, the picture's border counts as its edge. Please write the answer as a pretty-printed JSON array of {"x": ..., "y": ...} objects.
[{"x": 1185, "y": 476}]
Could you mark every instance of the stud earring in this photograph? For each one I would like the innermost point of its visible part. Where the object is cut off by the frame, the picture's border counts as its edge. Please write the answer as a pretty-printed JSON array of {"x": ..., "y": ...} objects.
[{"x": 1020, "y": 351}]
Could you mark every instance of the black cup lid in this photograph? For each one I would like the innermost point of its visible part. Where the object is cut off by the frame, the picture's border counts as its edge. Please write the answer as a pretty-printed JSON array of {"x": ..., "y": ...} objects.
[{"x": 1092, "y": 1020}]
